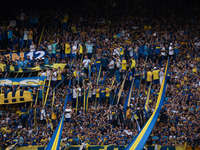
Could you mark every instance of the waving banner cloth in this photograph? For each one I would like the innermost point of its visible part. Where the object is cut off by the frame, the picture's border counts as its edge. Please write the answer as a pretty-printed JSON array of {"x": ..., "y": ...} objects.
[
  {"x": 12, "y": 68},
  {"x": 33, "y": 81},
  {"x": 54, "y": 143},
  {"x": 15, "y": 97},
  {"x": 140, "y": 140}
]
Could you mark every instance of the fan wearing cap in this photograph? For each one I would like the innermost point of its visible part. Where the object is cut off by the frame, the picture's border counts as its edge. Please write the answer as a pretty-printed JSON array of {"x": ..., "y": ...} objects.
[{"x": 155, "y": 75}]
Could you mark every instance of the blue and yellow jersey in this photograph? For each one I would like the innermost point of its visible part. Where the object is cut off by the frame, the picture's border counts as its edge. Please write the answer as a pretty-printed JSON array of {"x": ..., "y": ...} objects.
[
  {"x": 98, "y": 63},
  {"x": 103, "y": 92},
  {"x": 157, "y": 49},
  {"x": 121, "y": 51}
]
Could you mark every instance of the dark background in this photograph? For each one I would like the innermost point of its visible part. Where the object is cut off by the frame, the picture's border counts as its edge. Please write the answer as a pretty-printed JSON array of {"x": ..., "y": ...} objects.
[{"x": 104, "y": 7}]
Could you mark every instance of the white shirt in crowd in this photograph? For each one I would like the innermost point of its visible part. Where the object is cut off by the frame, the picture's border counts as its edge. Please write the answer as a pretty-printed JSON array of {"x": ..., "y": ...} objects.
[
  {"x": 48, "y": 74},
  {"x": 112, "y": 64},
  {"x": 74, "y": 92},
  {"x": 79, "y": 90},
  {"x": 116, "y": 52},
  {"x": 25, "y": 35},
  {"x": 54, "y": 76},
  {"x": 68, "y": 112},
  {"x": 128, "y": 132},
  {"x": 118, "y": 63},
  {"x": 32, "y": 48},
  {"x": 49, "y": 48},
  {"x": 130, "y": 51},
  {"x": 86, "y": 62},
  {"x": 163, "y": 51},
  {"x": 42, "y": 114},
  {"x": 48, "y": 124},
  {"x": 171, "y": 50},
  {"x": 161, "y": 75},
  {"x": 74, "y": 49},
  {"x": 42, "y": 74}
]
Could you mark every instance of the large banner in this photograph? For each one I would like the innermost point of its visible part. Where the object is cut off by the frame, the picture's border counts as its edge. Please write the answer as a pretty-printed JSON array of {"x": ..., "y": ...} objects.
[
  {"x": 33, "y": 81},
  {"x": 36, "y": 54},
  {"x": 140, "y": 140},
  {"x": 33, "y": 69},
  {"x": 15, "y": 97}
]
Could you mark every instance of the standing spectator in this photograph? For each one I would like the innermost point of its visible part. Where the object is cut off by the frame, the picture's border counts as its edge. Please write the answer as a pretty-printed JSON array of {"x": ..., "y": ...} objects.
[
  {"x": 16, "y": 36},
  {"x": 54, "y": 78},
  {"x": 48, "y": 74},
  {"x": 86, "y": 63},
  {"x": 35, "y": 35},
  {"x": 128, "y": 117},
  {"x": 155, "y": 74},
  {"x": 124, "y": 64},
  {"x": 10, "y": 37},
  {"x": 89, "y": 49},
  {"x": 68, "y": 113},
  {"x": 104, "y": 63},
  {"x": 43, "y": 115},
  {"x": 42, "y": 73},
  {"x": 67, "y": 50},
  {"x": 25, "y": 37},
  {"x": 59, "y": 75},
  {"x": 53, "y": 50},
  {"x": 111, "y": 66},
  {"x": 80, "y": 50},
  {"x": 74, "y": 51},
  {"x": 161, "y": 75},
  {"x": 30, "y": 37},
  {"x": 171, "y": 51},
  {"x": 32, "y": 47}
]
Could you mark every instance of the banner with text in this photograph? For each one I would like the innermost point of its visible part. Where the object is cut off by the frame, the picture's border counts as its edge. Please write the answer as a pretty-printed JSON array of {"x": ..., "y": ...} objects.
[
  {"x": 35, "y": 54},
  {"x": 33, "y": 81}
]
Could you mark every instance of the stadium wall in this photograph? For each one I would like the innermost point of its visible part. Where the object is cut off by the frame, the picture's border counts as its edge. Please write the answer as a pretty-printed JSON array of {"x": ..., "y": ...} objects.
[{"x": 109, "y": 147}]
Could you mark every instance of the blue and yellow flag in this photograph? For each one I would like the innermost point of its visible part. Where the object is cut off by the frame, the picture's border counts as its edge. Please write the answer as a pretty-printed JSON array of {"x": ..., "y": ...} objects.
[
  {"x": 11, "y": 147},
  {"x": 54, "y": 143},
  {"x": 128, "y": 99},
  {"x": 140, "y": 140},
  {"x": 15, "y": 97},
  {"x": 11, "y": 68}
]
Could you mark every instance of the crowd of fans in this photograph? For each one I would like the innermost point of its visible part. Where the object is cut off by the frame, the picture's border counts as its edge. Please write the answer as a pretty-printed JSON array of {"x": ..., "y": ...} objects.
[{"x": 99, "y": 54}]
